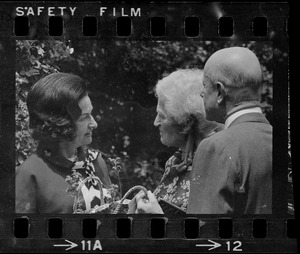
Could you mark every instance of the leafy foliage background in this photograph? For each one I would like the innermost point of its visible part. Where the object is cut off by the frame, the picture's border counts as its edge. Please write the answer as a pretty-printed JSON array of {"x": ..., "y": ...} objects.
[{"x": 122, "y": 75}]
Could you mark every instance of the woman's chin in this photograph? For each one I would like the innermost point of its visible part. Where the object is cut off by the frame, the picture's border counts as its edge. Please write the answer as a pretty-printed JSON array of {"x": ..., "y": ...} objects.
[
  {"x": 165, "y": 142},
  {"x": 172, "y": 142},
  {"x": 88, "y": 140}
]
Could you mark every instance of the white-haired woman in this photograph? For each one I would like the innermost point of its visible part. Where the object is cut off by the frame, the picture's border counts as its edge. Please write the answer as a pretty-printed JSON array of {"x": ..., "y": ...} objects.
[{"x": 182, "y": 124}]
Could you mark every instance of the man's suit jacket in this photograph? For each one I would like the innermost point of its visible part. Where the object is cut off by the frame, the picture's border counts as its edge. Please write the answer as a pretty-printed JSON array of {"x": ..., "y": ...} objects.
[{"x": 232, "y": 170}]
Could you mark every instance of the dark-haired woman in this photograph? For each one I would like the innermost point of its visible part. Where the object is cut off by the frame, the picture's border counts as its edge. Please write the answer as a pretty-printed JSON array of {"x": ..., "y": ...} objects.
[{"x": 60, "y": 116}]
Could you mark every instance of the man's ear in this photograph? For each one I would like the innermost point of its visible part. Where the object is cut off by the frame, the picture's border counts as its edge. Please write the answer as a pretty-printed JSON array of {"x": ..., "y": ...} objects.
[{"x": 221, "y": 92}]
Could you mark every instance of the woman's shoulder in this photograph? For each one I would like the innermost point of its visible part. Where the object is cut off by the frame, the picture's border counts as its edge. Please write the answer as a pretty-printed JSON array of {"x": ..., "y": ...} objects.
[
  {"x": 31, "y": 160},
  {"x": 33, "y": 163}
]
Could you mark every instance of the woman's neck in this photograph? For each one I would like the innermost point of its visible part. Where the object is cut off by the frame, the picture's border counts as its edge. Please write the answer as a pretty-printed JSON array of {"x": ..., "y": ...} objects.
[
  {"x": 182, "y": 148},
  {"x": 66, "y": 150},
  {"x": 189, "y": 147}
]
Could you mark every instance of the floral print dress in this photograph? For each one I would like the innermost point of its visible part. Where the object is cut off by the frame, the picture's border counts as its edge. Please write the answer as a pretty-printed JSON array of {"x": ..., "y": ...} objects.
[
  {"x": 174, "y": 186},
  {"x": 84, "y": 170}
]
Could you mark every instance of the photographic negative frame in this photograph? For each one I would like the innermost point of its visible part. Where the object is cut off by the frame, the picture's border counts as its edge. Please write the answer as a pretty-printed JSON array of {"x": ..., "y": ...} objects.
[{"x": 122, "y": 50}]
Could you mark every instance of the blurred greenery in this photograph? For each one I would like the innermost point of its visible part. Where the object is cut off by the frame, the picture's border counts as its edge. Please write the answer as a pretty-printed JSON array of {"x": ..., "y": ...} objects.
[{"x": 121, "y": 76}]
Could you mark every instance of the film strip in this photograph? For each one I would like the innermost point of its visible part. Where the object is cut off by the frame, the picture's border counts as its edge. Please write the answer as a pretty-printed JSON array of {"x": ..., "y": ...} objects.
[
  {"x": 122, "y": 50},
  {"x": 100, "y": 234},
  {"x": 123, "y": 25}
]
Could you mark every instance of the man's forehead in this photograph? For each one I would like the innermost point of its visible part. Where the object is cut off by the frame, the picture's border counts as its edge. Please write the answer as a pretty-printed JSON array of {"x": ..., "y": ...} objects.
[
  {"x": 209, "y": 65},
  {"x": 206, "y": 77}
]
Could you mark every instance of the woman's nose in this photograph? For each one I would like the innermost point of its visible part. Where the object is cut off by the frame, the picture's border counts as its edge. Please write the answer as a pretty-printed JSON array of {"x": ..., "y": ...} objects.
[
  {"x": 202, "y": 92},
  {"x": 93, "y": 124},
  {"x": 156, "y": 121}
]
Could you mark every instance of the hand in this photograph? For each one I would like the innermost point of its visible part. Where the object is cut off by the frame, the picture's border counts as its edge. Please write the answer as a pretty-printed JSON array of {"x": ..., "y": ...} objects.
[
  {"x": 147, "y": 205},
  {"x": 132, "y": 206}
]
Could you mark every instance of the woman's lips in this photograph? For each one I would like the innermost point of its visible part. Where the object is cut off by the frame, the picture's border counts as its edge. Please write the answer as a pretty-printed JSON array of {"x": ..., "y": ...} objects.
[{"x": 88, "y": 134}]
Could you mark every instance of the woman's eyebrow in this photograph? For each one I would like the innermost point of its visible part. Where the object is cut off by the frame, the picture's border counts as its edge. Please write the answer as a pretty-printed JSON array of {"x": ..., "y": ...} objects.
[
  {"x": 89, "y": 112},
  {"x": 84, "y": 114}
]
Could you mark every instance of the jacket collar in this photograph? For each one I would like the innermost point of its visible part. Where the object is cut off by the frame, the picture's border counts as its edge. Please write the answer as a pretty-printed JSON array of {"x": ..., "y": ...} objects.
[
  {"x": 250, "y": 117},
  {"x": 239, "y": 113},
  {"x": 241, "y": 106}
]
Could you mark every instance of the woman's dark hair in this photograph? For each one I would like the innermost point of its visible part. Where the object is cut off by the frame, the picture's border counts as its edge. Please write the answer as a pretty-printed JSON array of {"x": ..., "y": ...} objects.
[{"x": 48, "y": 102}]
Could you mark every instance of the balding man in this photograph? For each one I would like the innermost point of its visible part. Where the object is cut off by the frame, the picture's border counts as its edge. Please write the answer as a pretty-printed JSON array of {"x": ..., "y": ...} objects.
[{"x": 232, "y": 172}]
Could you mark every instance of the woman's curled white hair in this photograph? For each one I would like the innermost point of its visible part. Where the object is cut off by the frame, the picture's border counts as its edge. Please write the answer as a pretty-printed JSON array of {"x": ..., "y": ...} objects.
[{"x": 179, "y": 94}]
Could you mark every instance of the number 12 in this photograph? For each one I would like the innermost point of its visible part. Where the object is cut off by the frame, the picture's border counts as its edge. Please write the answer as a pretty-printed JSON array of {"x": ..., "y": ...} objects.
[{"x": 236, "y": 246}]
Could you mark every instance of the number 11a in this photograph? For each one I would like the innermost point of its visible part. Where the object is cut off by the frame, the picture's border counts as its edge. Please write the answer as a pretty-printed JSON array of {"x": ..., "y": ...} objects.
[
  {"x": 88, "y": 245},
  {"x": 235, "y": 246}
]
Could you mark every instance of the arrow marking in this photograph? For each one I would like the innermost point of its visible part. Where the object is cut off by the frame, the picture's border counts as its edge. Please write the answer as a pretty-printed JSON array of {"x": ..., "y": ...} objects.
[
  {"x": 71, "y": 245},
  {"x": 214, "y": 245}
]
